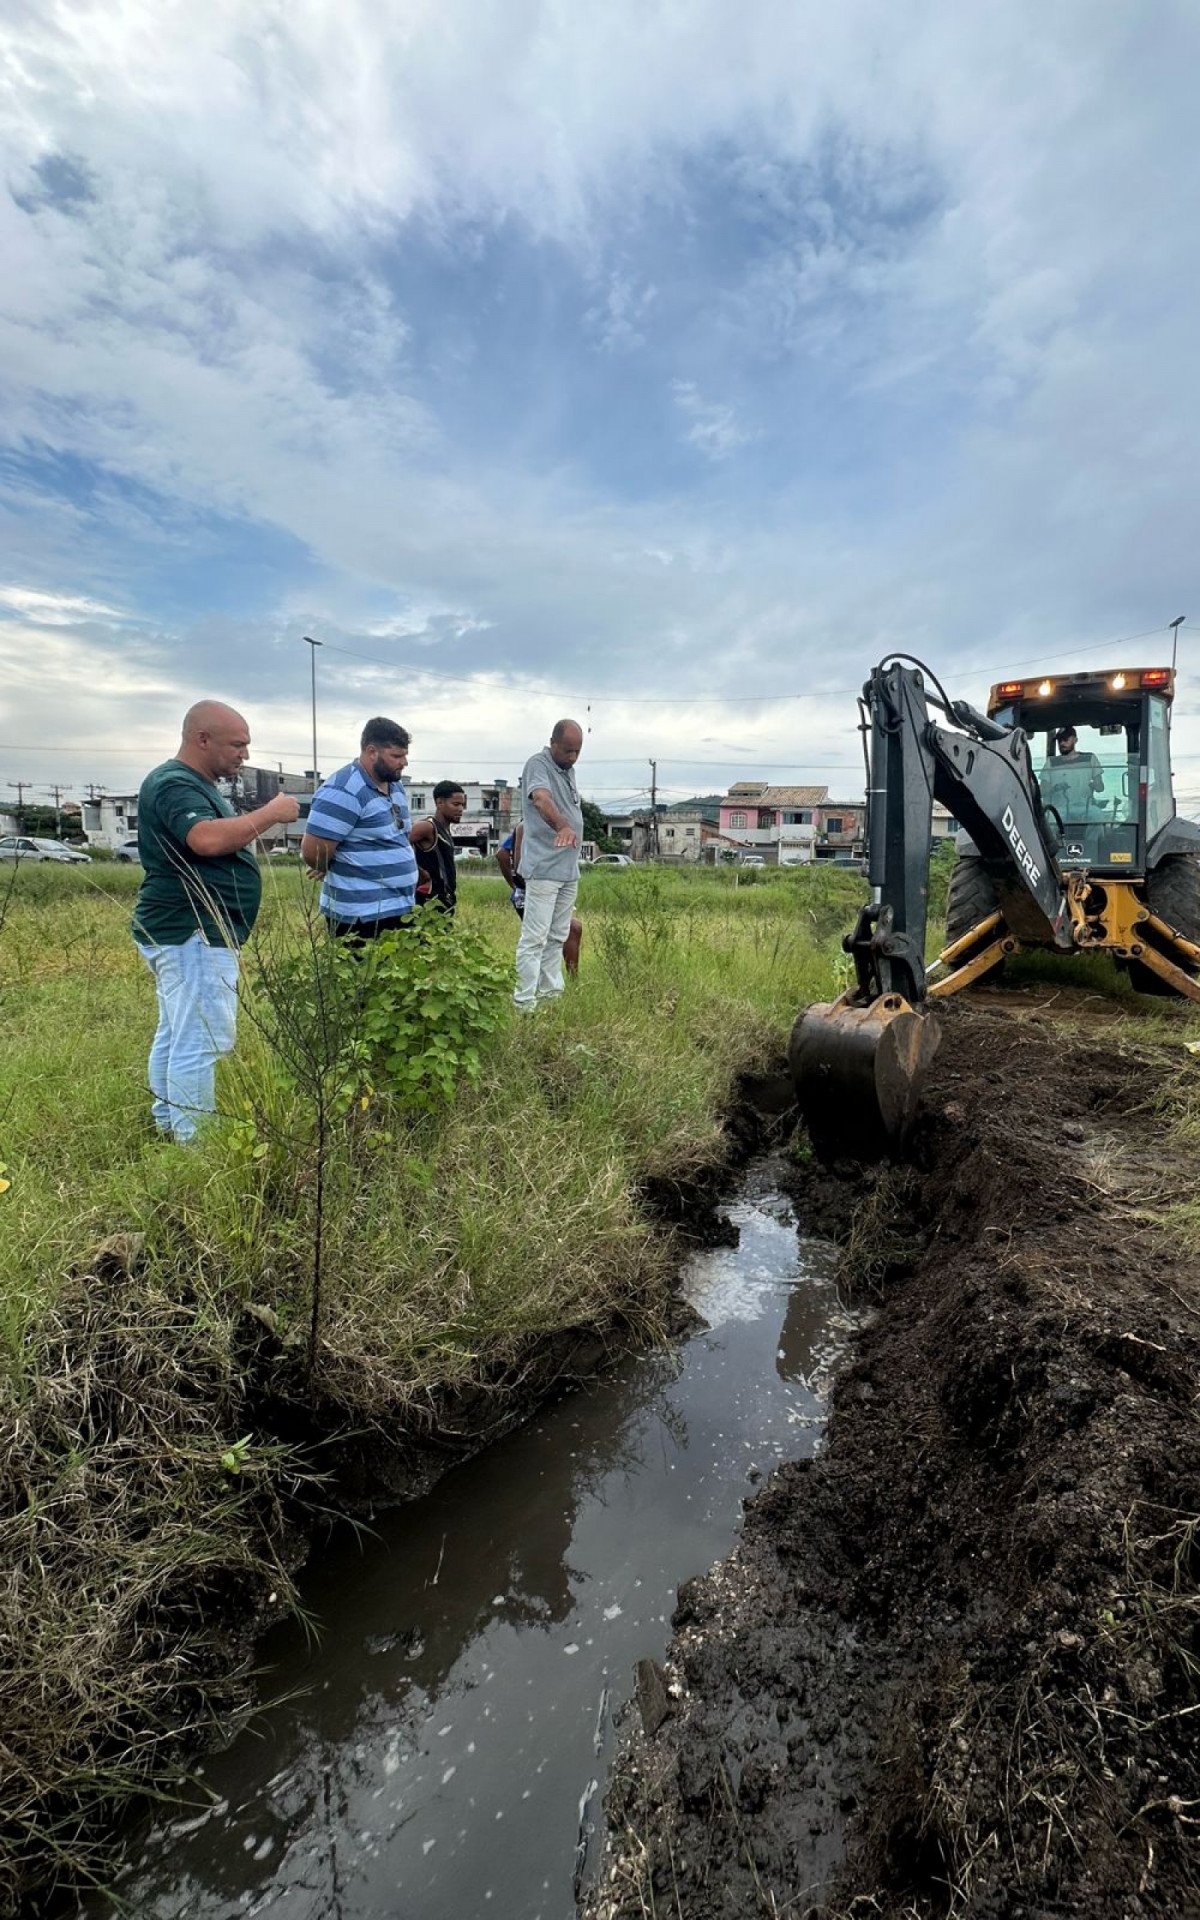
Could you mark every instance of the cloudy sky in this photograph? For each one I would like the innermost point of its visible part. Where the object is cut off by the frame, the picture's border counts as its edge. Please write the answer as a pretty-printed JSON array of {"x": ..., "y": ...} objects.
[{"x": 662, "y": 362}]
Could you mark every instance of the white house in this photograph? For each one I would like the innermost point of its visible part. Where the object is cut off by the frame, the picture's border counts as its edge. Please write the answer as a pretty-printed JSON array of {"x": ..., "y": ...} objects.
[
  {"x": 680, "y": 836},
  {"x": 109, "y": 819}
]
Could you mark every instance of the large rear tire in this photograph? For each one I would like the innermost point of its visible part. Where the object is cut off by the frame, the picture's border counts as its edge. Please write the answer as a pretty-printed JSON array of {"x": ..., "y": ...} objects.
[
  {"x": 972, "y": 897},
  {"x": 1173, "y": 893}
]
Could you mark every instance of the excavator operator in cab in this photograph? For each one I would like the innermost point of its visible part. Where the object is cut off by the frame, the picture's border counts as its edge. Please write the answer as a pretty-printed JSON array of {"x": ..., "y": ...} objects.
[{"x": 1069, "y": 757}]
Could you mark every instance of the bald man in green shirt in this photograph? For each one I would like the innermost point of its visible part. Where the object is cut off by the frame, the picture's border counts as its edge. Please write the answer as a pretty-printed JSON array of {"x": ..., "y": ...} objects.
[{"x": 196, "y": 906}]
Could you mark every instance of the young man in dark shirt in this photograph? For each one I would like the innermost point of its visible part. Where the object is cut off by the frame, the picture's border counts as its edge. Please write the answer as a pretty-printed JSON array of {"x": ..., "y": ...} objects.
[
  {"x": 196, "y": 907},
  {"x": 433, "y": 844}
]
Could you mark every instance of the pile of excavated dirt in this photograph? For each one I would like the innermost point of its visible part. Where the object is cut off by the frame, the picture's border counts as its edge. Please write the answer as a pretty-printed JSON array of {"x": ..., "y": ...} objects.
[{"x": 953, "y": 1666}]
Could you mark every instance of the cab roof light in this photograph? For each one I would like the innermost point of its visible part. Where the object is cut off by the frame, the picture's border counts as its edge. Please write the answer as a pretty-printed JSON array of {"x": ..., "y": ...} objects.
[
  {"x": 1118, "y": 682},
  {"x": 1156, "y": 676},
  {"x": 1010, "y": 687},
  {"x": 1045, "y": 688}
]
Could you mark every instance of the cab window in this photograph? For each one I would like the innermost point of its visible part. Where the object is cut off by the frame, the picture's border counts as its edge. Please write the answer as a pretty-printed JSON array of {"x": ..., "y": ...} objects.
[{"x": 1160, "y": 805}]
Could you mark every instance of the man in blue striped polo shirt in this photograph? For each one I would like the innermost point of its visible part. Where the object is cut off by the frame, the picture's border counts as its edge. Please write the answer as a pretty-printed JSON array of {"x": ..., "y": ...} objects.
[{"x": 357, "y": 838}]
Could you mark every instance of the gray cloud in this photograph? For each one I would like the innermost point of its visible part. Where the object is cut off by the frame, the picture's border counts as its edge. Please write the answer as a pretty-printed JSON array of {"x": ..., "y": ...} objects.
[{"x": 974, "y": 285}]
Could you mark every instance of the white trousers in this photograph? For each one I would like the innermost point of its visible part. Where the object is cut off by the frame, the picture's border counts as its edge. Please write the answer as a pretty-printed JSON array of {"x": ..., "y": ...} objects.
[
  {"x": 197, "y": 1023},
  {"x": 544, "y": 928}
]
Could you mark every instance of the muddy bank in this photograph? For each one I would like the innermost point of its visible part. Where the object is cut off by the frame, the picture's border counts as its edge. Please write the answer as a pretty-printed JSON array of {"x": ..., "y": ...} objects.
[
  {"x": 404, "y": 1452},
  {"x": 952, "y": 1667}
]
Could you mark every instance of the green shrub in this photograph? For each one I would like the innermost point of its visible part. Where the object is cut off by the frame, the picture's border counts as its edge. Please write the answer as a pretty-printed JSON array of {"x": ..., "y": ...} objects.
[{"x": 427, "y": 998}]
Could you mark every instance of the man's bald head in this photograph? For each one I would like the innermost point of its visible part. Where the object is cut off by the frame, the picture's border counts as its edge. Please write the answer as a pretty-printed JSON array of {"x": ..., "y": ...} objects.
[
  {"x": 566, "y": 742},
  {"x": 207, "y": 714},
  {"x": 216, "y": 739}
]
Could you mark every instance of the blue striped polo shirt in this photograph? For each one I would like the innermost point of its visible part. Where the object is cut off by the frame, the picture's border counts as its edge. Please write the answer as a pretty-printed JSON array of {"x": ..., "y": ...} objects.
[{"x": 373, "y": 874}]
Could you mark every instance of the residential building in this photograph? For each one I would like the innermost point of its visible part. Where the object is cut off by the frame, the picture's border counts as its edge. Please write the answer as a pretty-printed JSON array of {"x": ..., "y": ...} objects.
[
  {"x": 944, "y": 826},
  {"x": 621, "y": 827},
  {"x": 780, "y": 823},
  {"x": 108, "y": 819},
  {"x": 681, "y": 835},
  {"x": 841, "y": 828}
]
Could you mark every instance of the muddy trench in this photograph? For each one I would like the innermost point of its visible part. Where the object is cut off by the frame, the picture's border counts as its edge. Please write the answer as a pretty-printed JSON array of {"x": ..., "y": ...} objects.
[
  {"x": 963, "y": 1641},
  {"x": 444, "y": 1746}
]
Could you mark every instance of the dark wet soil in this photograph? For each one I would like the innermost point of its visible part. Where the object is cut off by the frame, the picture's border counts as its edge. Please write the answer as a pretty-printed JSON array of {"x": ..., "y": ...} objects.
[{"x": 953, "y": 1667}]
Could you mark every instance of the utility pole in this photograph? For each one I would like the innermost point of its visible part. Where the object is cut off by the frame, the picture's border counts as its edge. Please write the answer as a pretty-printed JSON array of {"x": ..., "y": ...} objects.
[
  {"x": 20, "y": 786},
  {"x": 58, "y": 792},
  {"x": 654, "y": 809},
  {"x": 314, "y": 644}
]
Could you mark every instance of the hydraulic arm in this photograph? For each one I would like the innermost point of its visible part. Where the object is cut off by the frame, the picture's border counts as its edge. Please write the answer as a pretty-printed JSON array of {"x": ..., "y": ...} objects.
[{"x": 857, "y": 1062}]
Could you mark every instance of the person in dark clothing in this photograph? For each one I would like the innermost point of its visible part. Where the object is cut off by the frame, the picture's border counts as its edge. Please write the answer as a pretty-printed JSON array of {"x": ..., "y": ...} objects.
[{"x": 433, "y": 844}]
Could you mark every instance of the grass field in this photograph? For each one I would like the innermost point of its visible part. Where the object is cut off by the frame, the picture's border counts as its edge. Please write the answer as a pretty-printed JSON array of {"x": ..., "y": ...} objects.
[{"x": 155, "y": 1299}]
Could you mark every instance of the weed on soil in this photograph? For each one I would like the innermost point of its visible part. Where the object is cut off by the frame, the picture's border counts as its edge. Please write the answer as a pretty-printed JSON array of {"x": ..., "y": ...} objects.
[{"x": 954, "y": 1665}]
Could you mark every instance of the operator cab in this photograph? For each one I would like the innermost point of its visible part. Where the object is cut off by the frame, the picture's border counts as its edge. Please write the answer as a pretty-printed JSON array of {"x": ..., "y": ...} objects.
[{"x": 1112, "y": 794}]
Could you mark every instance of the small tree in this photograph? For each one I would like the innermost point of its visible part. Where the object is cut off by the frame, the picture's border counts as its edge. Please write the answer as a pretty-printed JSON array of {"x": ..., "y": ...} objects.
[
  {"x": 401, "y": 1019},
  {"x": 595, "y": 827}
]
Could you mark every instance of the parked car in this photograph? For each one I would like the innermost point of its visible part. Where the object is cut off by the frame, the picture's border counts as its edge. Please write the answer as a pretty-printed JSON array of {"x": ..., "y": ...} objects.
[
  {"x": 612, "y": 860},
  {"x": 467, "y": 853},
  {"x": 24, "y": 846},
  {"x": 128, "y": 852},
  {"x": 752, "y": 860}
]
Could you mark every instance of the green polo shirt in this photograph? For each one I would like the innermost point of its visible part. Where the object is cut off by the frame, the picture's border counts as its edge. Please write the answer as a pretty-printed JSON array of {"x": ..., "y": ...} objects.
[{"x": 183, "y": 892}]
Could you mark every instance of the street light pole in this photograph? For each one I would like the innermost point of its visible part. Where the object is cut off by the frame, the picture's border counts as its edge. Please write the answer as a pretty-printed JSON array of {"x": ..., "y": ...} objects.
[
  {"x": 314, "y": 644},
  {"x": 1175, "y": 626}
]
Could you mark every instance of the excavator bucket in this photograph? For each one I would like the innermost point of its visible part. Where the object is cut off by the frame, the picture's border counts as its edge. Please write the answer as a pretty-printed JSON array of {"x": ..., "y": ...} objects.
[{"x": 857, "y": 1071}]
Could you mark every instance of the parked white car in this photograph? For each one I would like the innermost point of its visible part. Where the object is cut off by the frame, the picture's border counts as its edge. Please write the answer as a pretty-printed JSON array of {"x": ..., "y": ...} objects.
[
  {"x": 24, "y": 846},
  {"x": 128, "y": 852},
  {"x": 752, "y": 860},
  {"x": 612, "y": 860}
]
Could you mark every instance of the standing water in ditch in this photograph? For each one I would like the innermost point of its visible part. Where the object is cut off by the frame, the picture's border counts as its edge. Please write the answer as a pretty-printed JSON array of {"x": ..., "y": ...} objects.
[{"x": 442, "y": 1750}]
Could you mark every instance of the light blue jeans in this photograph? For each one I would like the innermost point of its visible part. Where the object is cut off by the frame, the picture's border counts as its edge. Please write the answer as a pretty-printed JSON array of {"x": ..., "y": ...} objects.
[
  {"x": 197, "y": 1022},
  {"x": 545, "y": 925}
]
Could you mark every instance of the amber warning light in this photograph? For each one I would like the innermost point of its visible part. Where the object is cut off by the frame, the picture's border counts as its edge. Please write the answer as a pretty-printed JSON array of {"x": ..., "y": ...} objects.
[{"x": 1156, "y": 676}]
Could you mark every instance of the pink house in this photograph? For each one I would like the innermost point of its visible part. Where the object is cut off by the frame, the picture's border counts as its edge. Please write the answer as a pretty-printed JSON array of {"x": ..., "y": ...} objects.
[
  {"x": 788, "y": 824},
  {"x": 781, "y": 823}
]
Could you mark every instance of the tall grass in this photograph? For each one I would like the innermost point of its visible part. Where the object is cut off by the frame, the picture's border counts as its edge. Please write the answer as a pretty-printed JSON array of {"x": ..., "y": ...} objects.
[{"x": 154, "y": 1299}]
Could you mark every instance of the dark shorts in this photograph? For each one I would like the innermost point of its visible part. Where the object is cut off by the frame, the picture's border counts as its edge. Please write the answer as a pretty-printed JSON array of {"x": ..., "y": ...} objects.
[{"x": 356, "y": 932}]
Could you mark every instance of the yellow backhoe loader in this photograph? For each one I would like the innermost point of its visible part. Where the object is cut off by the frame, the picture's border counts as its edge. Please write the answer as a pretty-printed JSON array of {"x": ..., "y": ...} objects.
[{"x": 1083, "y": 853}]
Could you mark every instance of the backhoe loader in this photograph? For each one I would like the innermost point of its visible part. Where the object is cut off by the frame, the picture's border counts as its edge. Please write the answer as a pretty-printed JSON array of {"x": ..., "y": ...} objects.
[{"x": 1086, "y": 853}]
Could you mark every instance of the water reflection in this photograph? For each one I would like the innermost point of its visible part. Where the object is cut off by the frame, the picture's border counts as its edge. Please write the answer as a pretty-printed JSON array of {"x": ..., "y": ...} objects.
[{"x": 457, "y": 1715}]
